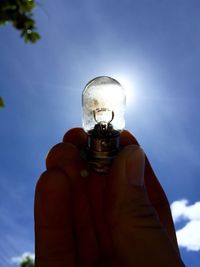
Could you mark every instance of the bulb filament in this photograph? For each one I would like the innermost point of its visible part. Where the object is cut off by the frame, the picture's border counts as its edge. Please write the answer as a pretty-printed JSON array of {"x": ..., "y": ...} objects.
[
  {"x": 103, "y": 118},
  {"x": 103, "y": 115}
]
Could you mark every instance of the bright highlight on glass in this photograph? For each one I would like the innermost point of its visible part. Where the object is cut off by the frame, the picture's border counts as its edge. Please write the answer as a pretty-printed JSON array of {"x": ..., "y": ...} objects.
[{"x": 103, "y": 102}]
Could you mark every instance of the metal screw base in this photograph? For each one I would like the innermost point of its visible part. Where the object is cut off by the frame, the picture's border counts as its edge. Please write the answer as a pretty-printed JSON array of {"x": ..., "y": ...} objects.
[{"x": 102, "y": 150}]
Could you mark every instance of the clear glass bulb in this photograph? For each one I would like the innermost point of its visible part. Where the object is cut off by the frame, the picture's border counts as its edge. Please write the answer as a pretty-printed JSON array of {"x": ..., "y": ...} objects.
[{"x": 103, "y": 102}]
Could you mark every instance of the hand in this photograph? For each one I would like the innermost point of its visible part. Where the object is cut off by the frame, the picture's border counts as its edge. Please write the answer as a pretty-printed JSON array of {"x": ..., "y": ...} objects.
[{"x": 118, "y": 220}]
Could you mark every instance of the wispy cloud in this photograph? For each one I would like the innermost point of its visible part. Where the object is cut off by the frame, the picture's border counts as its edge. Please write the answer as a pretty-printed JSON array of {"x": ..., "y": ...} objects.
[
  {"x": 189, "y": 235},
  {"x": 19, "y": 259}
]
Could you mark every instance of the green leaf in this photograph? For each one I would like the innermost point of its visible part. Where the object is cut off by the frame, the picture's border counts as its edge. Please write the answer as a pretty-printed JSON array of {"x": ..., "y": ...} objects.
[
  {"x": 26, "y": 6},
  {"x": 19, "y": 13},
  {"x": 2, "y": 22},
  {"x": 31, "y": 36},
  {"x": 34, "y": 37},
  {"x": 1, "y": 103},
  {"x": 27, "y": 262}
]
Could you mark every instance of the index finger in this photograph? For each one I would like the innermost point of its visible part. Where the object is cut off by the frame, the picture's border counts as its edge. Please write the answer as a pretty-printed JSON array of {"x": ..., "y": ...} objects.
[{"x": 76, "y": 136}]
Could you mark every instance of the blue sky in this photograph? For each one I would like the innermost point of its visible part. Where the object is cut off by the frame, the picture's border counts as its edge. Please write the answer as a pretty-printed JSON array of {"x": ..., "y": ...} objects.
[{"x": 152, "y": 48}]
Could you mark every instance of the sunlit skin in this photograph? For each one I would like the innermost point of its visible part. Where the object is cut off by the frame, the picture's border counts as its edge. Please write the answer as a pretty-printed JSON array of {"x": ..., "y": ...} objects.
[{"x": 85, "y": 219}]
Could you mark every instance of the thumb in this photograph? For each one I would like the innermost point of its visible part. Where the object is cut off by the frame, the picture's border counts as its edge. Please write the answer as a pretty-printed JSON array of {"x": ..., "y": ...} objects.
[
  {"x": 137, "y": 234},
  {"x": 126, "y": 190}
]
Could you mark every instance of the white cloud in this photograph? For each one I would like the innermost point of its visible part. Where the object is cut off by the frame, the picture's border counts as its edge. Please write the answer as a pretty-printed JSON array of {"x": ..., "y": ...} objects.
[
  {"x": 19, "y": 259},
  {"x": 181, "y": 210},
  {"x": 188, "y": 236}
]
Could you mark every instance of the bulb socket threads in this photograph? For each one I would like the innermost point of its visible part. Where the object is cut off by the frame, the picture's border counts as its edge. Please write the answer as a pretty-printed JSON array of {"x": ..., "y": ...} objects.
[{"x": 103, "y": 146}]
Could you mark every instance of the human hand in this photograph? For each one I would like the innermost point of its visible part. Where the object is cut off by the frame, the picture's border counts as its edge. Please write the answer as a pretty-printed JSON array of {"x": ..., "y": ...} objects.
[{"x": 85, "y": 219}]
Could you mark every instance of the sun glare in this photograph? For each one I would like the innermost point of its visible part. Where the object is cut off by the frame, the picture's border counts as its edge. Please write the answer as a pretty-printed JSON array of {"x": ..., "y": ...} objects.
[{"x": 128, "y": 86}]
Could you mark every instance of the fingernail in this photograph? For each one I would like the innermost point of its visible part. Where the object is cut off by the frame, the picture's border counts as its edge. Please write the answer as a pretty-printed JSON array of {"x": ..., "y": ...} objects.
[{"x": 135, "y": 165}]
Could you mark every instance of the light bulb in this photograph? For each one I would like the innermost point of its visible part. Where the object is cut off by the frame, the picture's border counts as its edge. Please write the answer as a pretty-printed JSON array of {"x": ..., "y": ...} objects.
[{"x": 103, "y": 106}]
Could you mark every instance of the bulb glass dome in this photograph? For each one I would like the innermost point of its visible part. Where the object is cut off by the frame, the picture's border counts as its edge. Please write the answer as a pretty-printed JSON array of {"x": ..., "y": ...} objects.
[{"x": 103, "y": 101}]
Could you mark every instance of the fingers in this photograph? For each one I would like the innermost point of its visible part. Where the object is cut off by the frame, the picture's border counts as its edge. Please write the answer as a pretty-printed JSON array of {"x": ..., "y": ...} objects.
[
  {"x": 126, "y": 138},
  {"x": 155, "y": 192},
  {"x": 54, "y": 241},
  {"x": 65, "y": 156},
  {"x": 76, "y": 136}
]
